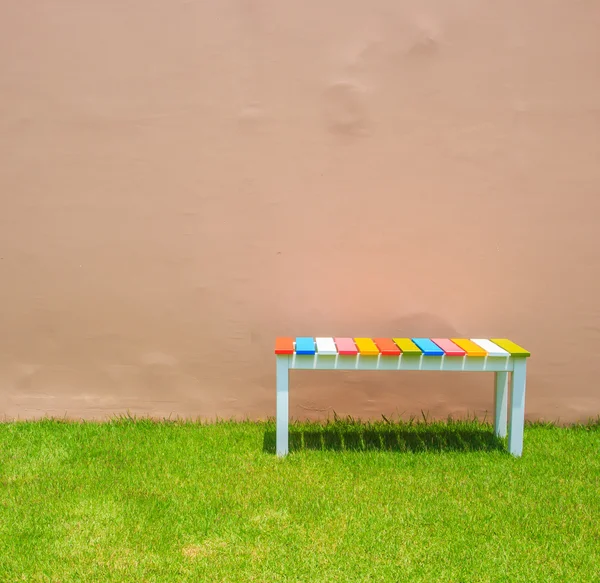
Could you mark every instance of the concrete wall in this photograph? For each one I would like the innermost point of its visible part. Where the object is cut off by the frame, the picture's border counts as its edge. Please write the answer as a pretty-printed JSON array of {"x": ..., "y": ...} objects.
[{"x": 181, "y": 181}]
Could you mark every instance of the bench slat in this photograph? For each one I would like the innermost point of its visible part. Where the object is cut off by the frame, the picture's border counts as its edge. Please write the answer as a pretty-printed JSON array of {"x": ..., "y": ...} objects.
[
  {"x": 366, "y": 346},
  {"x": 428, "y": 347},
  {"x": 509, "y": 345},
  {"x": 491, "y": 348},
  {"x": 284, "y": 346},
  {"x": 346, "y": 346},
  {"x": 469, "y": 347},
  {"x": 407, "y": 346},
  {"x": 305, "y": 345},
  {"x": 387, "y": 347},
  {"x": 449, "y": 348},
  {"x": 326, "y": 346}
]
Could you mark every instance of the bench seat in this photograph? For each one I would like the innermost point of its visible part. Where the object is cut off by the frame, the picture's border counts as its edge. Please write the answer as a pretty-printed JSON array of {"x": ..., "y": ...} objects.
[{"x": 396, "y": 346}]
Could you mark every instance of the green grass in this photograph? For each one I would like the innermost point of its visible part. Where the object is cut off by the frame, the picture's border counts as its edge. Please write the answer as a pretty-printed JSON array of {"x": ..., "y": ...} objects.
[{"x": 143, "y": 501}]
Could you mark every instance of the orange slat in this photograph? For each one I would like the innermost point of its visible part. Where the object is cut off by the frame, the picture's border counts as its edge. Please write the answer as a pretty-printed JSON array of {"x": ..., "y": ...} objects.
[
  {"x": 387, "y": 346},
  {"x": 284, "y": 346}
]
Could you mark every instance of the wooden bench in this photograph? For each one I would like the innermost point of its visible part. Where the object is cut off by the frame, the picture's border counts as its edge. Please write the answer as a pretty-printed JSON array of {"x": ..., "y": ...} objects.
[{"x": 497, "y": 355}]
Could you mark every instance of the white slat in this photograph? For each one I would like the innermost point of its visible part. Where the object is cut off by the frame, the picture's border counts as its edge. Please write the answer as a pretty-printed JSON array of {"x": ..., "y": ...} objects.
[
  {"x": 325, "y": 346},
  {"x": 491, "y": 348}
]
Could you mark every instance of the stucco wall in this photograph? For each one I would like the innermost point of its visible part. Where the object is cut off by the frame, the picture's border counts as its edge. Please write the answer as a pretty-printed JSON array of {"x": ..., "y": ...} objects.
[{"x": 181, "y": 181}]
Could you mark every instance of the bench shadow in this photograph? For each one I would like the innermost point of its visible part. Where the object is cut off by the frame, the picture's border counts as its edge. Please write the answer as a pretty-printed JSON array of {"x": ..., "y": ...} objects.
[{"x": 400, "y": 438}]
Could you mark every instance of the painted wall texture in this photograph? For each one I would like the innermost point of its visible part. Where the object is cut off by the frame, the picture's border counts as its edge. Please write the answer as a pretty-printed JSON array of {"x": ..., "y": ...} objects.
[{"x": 181, "y": 181}]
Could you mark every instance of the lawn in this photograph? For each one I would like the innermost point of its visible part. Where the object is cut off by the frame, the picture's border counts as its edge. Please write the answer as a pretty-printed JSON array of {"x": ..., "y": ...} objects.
[{"x": 141, "y": 501}]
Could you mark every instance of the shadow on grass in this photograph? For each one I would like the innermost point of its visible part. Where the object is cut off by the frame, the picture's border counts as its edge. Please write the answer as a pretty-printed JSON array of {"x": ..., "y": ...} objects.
[{"x": 401, "y": 437}]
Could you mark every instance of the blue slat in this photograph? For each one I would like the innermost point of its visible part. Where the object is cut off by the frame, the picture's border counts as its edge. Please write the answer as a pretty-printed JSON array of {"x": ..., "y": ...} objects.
[
  {"x": 428, "y": 347},
  {"x": 305, "y": 345}
]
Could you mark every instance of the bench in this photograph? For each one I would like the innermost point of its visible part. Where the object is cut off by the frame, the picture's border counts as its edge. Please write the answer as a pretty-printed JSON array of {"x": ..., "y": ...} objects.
[{"x": 497, "y": 355}]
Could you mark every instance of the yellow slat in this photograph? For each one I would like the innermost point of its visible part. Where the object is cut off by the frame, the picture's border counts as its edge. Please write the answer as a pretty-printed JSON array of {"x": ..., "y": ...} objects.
[
  {"x": 366, "y": 346},
  {"x": 511, "y": 347},
  {"x": 407, "y": 346},
  {"x": 469, "y": 347}
]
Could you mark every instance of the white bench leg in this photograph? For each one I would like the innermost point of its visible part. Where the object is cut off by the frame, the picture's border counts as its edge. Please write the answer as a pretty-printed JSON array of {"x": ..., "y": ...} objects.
[
  {"x": 517, "y": 407},
  {"x": 501, "y": 404},
  {"x": 282, "y": 405}
]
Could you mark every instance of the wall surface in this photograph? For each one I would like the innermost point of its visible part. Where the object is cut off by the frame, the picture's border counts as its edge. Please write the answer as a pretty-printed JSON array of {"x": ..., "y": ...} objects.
[{"x": 181, "y": 181}]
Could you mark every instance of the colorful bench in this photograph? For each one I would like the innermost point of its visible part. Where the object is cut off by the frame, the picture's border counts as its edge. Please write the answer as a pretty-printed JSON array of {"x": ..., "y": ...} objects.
[{"x": 497, "y": 355}]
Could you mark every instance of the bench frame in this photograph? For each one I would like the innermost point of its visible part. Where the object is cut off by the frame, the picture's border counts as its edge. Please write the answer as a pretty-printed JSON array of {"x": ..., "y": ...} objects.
[{"x": 502, "y": 366}]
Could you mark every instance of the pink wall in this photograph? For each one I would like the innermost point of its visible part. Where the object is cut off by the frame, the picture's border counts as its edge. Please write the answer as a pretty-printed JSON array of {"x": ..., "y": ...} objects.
[{"x": 182, "y": 181}]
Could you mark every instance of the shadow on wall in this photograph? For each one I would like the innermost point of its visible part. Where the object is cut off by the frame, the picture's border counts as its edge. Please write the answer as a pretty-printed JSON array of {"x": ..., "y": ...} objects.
[{"x": 402, "y": 438}]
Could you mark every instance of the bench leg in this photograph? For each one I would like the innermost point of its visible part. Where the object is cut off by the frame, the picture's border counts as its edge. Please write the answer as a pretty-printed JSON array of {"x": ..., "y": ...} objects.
[
  {"x": 282, "y": 405},
  {"x": 517, "y": 407},
  {"x": 501, "y": 404}
]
